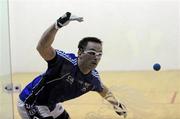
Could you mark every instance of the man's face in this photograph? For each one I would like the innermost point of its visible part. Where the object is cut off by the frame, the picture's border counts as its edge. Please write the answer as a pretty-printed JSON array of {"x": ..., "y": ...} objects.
[{"x": 91, "y": 55}]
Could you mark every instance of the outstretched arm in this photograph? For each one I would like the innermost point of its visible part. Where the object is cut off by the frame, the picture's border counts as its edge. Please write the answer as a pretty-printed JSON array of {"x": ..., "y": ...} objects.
[
  {"x": 44, "y": 46},
  {"x": 120, "y": 109}
]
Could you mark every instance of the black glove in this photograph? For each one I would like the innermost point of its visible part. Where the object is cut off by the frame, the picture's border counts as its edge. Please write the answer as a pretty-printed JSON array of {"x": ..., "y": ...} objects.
[
  {"x": 66, "y": 18},
  {"x": 120, "y": 109}
]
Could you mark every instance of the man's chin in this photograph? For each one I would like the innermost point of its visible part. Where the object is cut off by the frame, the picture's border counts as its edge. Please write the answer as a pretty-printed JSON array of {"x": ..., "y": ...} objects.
[{"x": 94, "y": 66}]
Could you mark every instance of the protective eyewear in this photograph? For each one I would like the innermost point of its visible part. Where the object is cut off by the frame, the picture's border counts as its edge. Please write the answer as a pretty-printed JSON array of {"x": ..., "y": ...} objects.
[{"x": 93, "y": 53}]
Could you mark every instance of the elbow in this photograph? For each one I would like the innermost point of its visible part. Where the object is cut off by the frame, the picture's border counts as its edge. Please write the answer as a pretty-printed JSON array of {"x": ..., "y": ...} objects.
[{"x": 39, "y": 47}]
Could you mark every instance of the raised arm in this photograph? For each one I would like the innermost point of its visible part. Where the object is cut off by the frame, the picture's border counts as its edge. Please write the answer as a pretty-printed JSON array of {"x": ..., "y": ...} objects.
[
  {"x": 119, "y": 108},
  {"x": 44, "y": 46}
]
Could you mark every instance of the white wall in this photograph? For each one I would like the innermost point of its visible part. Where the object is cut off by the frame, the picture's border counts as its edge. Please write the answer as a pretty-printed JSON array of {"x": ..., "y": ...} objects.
[
  {"x": 179, "y": 39},
  {"x": 136, "y": 34},
  {"x": 4, "y": 40}
]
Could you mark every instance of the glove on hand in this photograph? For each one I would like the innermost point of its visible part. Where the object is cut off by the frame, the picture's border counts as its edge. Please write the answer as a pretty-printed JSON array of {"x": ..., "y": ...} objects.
[
  {"x": 66, "y": 18},
  {"x": 120, "y": 109}
]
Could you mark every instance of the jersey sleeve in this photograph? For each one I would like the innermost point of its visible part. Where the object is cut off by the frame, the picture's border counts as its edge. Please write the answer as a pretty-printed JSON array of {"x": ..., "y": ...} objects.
[
  {"x": 60, "y": 57},
  {"x": 97, "y": 84}
]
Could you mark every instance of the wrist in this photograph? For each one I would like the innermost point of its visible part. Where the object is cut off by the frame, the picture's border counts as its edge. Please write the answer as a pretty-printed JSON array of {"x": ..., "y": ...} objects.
[{"x": 57, "y": 25}]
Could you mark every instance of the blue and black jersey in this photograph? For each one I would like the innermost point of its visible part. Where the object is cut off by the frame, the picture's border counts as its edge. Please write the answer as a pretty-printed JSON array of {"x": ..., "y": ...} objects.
[{"x": 62, "y": 81}]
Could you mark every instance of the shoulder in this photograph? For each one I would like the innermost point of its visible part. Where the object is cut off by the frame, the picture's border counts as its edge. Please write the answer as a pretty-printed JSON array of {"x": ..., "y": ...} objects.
[
  {"x": 95, "y": 74},
  {"x": 98, "y": 86},
  {"x": 71, "y": 57}
]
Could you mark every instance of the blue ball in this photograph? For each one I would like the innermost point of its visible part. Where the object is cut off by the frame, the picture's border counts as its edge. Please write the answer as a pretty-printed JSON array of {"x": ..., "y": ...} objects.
[{"x": 156, "y": 67}]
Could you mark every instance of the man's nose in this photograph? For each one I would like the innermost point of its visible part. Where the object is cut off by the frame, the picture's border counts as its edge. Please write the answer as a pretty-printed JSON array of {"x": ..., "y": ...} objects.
[{"x": 97, "y": 57}]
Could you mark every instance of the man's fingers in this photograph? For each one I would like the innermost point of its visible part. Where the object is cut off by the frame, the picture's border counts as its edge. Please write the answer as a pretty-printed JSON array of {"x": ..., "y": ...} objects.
[
  {"x": 73, "y": 18},
  {"x": 121, "y": 110},
  {"x": 124, "y": 114}
]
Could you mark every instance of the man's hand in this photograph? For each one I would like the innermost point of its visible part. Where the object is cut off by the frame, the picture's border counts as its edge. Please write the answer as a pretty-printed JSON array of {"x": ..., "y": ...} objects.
[
  {"x": 66, "y": 18},
  {"x": 120, "y": 109}
]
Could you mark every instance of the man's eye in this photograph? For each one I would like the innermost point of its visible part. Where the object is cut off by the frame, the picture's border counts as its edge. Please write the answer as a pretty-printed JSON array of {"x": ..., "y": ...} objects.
[
  {"x": 92, "y": 53},
  {"x": 100, "y": 54}
]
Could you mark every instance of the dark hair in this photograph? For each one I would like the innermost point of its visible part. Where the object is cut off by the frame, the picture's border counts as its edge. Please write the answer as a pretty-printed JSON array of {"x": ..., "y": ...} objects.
[{"x": 83, "y": 43}]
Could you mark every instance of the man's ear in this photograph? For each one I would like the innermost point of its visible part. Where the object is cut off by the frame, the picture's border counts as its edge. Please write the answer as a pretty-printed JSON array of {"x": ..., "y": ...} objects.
[{"x": 79, "y": 52}]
